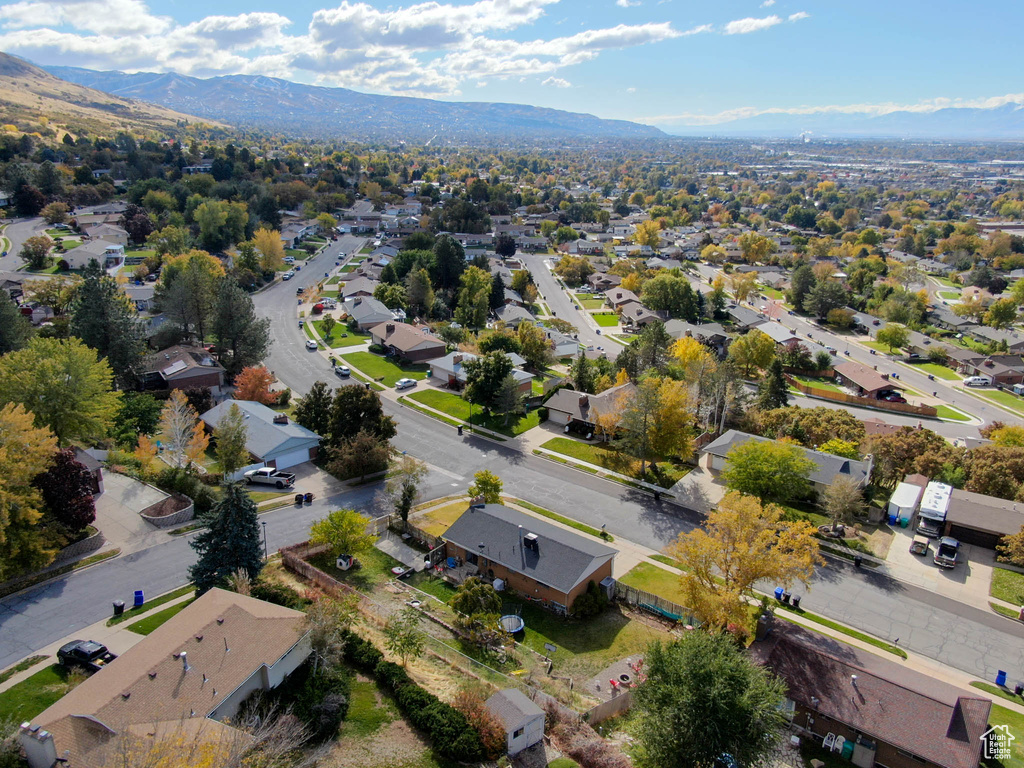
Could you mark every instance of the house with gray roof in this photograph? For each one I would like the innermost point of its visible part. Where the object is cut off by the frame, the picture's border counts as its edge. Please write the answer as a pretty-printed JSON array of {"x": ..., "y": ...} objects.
[
  {"x": 522, "y": 719},
  {"x": 582, "y": 411},
  {"x": 512, "y": 315},
  {"x": 528, "y": 555},
  {"x": 367, "y": 312},
  {"x": 827, "y": 466},
  {"x": 744, "y": 318},
  {"x": 270, "y": 436}
]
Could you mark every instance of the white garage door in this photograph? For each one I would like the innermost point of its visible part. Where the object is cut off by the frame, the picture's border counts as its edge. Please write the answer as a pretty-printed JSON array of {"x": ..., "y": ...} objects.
[{"x": 293, "y": 458}]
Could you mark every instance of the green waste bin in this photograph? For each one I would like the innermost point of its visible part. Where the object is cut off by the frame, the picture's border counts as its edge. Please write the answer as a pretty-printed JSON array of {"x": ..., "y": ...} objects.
[{"x": 847, "y": 750}]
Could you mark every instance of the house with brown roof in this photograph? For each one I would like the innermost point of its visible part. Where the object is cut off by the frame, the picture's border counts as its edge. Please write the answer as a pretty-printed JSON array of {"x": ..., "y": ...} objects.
[
  {"x": 981, "y": 520},
  {"x": 1001, "y": 369},
  {"x": 635, "y": 314},
  {"x": 408, "y": 341},
  {"x": 582, "y": 411},
  {"x": 188, "y": 676},
  {"x": 619, "y": 296},
  {"x": 182, "y": 367},
  {"x": 885, "y": 713},
  {"x": 867, "y": 381}
]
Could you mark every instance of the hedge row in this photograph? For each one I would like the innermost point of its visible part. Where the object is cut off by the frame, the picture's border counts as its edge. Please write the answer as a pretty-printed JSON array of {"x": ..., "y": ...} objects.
[{"x": 449, "y": 731}]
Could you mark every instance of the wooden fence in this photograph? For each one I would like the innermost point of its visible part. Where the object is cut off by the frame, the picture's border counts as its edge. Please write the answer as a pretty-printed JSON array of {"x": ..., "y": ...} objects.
[
  {"x": 863, "y": 402},
  {"x": 610, "y": 708},
  {"x": 639, "y": 598}
]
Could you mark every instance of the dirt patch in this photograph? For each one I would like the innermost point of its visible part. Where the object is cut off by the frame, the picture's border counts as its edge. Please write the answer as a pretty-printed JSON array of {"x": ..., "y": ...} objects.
[
  {"x": 169, "y": 506},
  {"x": 396, "y": 744}
]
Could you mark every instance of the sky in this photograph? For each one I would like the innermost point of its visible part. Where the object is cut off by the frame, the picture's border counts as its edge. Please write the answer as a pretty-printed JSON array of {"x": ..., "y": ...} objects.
[{"x": 662, "y": 62}]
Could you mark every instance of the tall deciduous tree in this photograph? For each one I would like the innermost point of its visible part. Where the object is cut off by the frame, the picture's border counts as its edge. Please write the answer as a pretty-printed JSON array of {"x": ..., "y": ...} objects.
[
  {"x": 25, "y": 452},
  {"x": 704, "y": 698},
  {"x": 103, "y": 317},
  {"x": 187, "y": 290},
  {"x": 63, "y": 384},
  {"x": 181, "y": 432},
  {"x": 753, "y": 351},
  {"x": 419, "y": 292},
  {"x": 35, "y": 251},
  {"x": 404, "y": 486},
  {"x": 357, "y": 409},
  {"x": 484, "y": 376},
  {"x": 474, "y": 292},
  {"x": 270, "y": 247},
  {"x": 363, "y": 455},
  {"x": 801, "y": 283},
  {"x": 344, "y": 531},
  {"x": 843, "y": 500},
  {"x": 893, "y": 336},
  {"x": 534, "y": 346},
  {"x": 313, "y": 411},
  {"x": 67, "y": 491},
  {"x": 741, "y": 544},
  {"x": 253, "y": 383},
  {"x": 403, "y": 636},
  {"x": 242, "y": 336},
  {"x": 768, "y": 470},
  {"x": 449, "y": 262},
  {"x": 231, "y": 435},
  {"x": 230, "y": 544},
  {"x": 508, "y": 400}
]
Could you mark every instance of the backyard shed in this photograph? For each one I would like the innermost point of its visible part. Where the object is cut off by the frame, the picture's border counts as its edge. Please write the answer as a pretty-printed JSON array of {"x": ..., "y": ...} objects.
[
  {"x": 523, "y": 719},
  {"x": 903, "y": 502}
]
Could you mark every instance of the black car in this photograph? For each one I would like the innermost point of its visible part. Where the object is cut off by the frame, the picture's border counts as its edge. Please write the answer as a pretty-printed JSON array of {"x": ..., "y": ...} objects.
[{"x": 87, "y": 654}]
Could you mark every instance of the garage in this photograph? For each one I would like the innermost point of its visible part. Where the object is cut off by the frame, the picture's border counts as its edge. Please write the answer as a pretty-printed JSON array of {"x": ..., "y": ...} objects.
[
  {"x": 290, "y": 459},
  {"x": 981, "y": 520}
]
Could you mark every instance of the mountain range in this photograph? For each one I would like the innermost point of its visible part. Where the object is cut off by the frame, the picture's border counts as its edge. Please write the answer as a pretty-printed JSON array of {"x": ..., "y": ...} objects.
[
  {"x": 1004, "y": 122},
  {"x": 268, "y": 103},
  {"x": 29, "y": 96}
]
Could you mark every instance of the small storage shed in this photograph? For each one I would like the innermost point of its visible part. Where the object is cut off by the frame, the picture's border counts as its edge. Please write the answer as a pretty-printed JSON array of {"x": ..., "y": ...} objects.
[
  {"x": 903, "y": 502},
  {"x": 522, "y": 718}
]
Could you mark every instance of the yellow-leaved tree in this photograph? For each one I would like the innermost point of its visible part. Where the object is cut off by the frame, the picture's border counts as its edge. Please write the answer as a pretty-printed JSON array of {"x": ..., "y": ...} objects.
[
  {"x": 271, "y": 248},
  {"x": 694, "y": 358},
  {"x": 25, "y": 452},
  {"x": 741, "y": 544}
]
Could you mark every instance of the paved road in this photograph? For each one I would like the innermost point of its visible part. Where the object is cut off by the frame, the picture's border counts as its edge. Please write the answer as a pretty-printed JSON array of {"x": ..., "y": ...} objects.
[
  {"x": 18, "y": 232},
  {"x": 563, "y": 307},
  {"x": 962, "y": 636}
]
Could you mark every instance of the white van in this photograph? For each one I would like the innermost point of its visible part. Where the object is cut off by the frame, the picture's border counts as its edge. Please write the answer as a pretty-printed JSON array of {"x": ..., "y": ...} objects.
[{"x": 977, "y": 381}]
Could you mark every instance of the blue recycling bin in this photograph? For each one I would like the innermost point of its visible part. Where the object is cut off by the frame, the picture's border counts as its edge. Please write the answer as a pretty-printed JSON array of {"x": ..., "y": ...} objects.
[
  {"x": 1001, "y": 678},
  {"x": 139, "y": 599},
  {"x": 892, "y": 519},
  {"x": 778, "y": 593}
]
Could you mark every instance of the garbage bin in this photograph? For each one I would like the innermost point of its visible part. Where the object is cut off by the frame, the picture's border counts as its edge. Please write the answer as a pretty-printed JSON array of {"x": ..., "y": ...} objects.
[
  {"x": 858, "y": 560},
  {"x": 118, "y": 607},
  {"x": 778, "y": 593},
  {"x": 892, "y": 519},
  {"x": 1018, "y": 689},
  {"x": 1000, "y": 678},
  {"x": 139, "y": 599},
  {"x": 785, "y": 597},
  {"x": 796, "y": 601}
]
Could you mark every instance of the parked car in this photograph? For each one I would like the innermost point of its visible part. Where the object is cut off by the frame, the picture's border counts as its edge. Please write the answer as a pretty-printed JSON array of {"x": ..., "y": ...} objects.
[
  {"x": 405, "y": 383},
  {"x": 288, "y": 275},
  {"x": 299, "y": 290},
  {"x": 832, "y": 350},
  {"x": 343, "y": 370},
  {"x": 946, "y": 553},
  {"x": 269, "y": 476},
  {"x": 976, "y": 381},
  {"x": 920, "y": 544},
  {"x": 312, "y": 345},
  {"x": 289, "y": 259},
  {"x": 87, "y": 654}
]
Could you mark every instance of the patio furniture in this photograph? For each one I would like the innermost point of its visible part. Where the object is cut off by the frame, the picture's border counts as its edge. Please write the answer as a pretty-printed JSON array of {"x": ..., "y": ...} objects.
[{"x": 829, "y": 742}]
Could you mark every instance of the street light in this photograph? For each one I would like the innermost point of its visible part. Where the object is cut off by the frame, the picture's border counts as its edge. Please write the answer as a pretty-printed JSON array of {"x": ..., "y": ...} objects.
[{"x": 266, "y": 552}]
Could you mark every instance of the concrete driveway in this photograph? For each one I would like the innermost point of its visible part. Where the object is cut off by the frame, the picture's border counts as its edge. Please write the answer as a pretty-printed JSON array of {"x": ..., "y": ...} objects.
[
  {"x": 117, "y": 512},
  {"x": 698, "y": 490}
]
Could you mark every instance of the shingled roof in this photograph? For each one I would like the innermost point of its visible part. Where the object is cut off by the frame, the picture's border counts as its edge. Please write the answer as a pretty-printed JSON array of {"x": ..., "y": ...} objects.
[
  {"x": 888, "y": 702},
  {"x": 562, "y": 559}
]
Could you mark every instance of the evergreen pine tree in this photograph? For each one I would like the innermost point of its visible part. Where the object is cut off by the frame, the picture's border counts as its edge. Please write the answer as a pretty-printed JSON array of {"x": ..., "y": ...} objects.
[
  {"x": 497, "y": 292},
  {"x": 773, "y": 393},
  {"x": 231, "y": 543},
  {"x": 15, "y": 328}
]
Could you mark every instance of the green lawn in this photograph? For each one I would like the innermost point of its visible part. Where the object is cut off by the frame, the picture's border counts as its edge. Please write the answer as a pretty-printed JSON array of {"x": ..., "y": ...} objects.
[
  {"x": 455, "y": 406},
  {"x": 655, "y": 580},
  {"x": 384, "y": 370},
  {"x": 565, "y": 520},
  {"x": 296, "y": 253},
  {"x": 879, "y": 347},
  {"x": 604, "y": 456},
  {"x": 945, "y": 281},
  {"x": 1005, "y": 399},
  {"x": 1007, "y": 585},
  {"x": 591, "y": 303},
  {"x": 437, "y": 521},
  {"x": 148, "y": 624},
  {"x": 349, "y": 268},
  {"x": 606, "y": 319},
  {"x": 818, "y": 383},
  {"x": 374, "y": 569},
  {"x": 946, "y": 412},
  {"x": 334, "y": 280},
  {"x": 342, "y": 336},
  {"x": 133, "y": 612},
  {"x": 1003, "y": 716},
  {"x": 368, "y": 712},
  {"x": 938, "y": 371},
  {"x": 772, "y": 293},
  {"x": 31, "y": 696},
  {"x": 432, "y": 584},
  {"x": 140, "y": 253}
]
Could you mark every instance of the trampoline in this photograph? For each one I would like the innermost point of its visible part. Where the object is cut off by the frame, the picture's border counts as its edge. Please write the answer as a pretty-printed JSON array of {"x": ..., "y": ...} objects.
[{"x": 512, "y": 623}]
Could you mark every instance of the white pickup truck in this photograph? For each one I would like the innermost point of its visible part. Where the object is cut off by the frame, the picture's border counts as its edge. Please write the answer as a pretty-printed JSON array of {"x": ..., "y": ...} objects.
[{"x": 270, "y": 476}]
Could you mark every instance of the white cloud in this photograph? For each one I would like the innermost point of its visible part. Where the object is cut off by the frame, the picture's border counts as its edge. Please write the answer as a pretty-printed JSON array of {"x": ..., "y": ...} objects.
[
  {"x": 874, "y": 110},
  {"x": 557, "y": 82},
  {"x": 627, "y": 3},
  {"x": 699, "y": 30},
  {"x": 750, "y": 24},
  {"x": 100, "y": 16},
  {"x": 768, "y": 3},
  {"x": 799, "y": 15},
  {"x": 631, "y": 90}
]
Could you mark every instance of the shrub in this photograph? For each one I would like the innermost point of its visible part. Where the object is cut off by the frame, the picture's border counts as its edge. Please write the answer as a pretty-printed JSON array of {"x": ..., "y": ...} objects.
[
  {"x": 391, "y": 676},
  {"x": 213, "y": 479},
  {"x": 278, "y": 594},
  {"x": 322, "y": 702},
  {"x": 591, "y": 602},
  {"x": 318, "y": 309},
  {"x": 361, "y": 653},
  {"x": 284, "y": 397},
  {"x": 542, "y": 413},
  {"x": 377, "y": 348}
]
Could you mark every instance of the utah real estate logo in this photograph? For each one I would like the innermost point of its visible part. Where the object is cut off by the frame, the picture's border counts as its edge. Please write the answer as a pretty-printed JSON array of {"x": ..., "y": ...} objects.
[{"x": 997, "y": 740}]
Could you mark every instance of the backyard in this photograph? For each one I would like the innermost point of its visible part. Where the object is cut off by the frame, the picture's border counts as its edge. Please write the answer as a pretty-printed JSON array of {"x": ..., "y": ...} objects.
[
  {"x": 825, "y": 384},
  {"x": 383, "y": 369},
  {"x": 669, "y": 472},
  {"x": 655, "y": 580},
  {"x": 374, "y": 569},
  {"x": 456, "y": 407}
]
